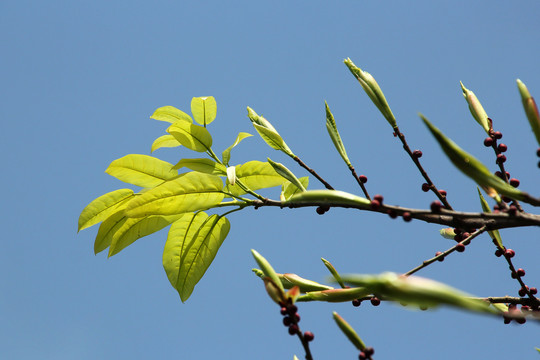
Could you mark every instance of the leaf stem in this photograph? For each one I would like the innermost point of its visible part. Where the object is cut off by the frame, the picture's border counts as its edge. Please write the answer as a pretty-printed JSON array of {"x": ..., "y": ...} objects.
[{"x": 312, "y": 172}]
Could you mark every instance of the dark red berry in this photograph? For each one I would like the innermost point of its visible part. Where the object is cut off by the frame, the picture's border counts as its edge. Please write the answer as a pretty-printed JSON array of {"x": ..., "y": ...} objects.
[
  {"x": 498, "y": 253},
  {"x": 499, "y": 174},
  {"x": 320, "y": 210},
  {"x": 514, "y": 182},
  {"x": 407, "y": 216},
  {"x": 488, "y": 141},
  {"x": 506, "y": 199},
  {"x": 512, "y": 210},
  {"x": 521, "y": 320},
  {"x": 417, "y": 154},
  {"x": 436, "y": 206},
  {"x": 442, "y": 192},
  {"x": 392, "y": 214},
  {"x": 375, "y": 301},
  {"x": 292, "y": 309},
  {"x": 296, "y": 318},
  {"x": 356, "y": 302},
  {"x": 460, "y": 248},
  {"x": 522, "y": 292},
  {"x": 375, "y": 204},
  {"x": 507, "y": 320},
  {"x": 284, "y": 311},
  {"x": 457, "y": 231},
  {"x": 497, "y": 135},
  {"x": 308, "y": 336},
  {"x": 362, "y": 356},
  {"x": 369, "y": 351},
  {"x": 533, "y": 290},
  {"x": 293, "y": 329},
  {"x": 520, "y": 272},
  {"x": 287, "y": 321},
  {"x": 513, "y": 275},
  {"x": 509, "y": 253},
  {"x": 379, "y": 198},
  {"x": 502, "y": 147},
  {"x": 439, "y": 259},
  {"x": 525, "y": 308},
  {"x": 538, "y": 152},
  {"x": 539, "y": 164},
  {"x": 512, "y": 307},
  {"x": 501, "y": 159},
  {"x": 425, "y": 187},
  {"x": 363, "y": 179}
]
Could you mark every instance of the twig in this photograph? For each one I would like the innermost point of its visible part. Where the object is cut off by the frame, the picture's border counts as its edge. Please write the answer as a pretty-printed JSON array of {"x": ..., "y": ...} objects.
[{"x": 312, "y": 172}]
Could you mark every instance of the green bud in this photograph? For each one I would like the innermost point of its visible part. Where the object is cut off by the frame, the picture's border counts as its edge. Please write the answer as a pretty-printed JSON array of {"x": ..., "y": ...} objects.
[
  {"x": 349, "y": 332},
  {"x": 476, "y": 108},
  {"x": 531, "y": 110}
]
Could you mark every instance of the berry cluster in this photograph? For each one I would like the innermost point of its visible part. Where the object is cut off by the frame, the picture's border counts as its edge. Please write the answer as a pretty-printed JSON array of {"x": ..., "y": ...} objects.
[
  {"x": 375, "y": 301},
  {"x": 291, "y": 320},
  {"x": 366, "y": 353}
]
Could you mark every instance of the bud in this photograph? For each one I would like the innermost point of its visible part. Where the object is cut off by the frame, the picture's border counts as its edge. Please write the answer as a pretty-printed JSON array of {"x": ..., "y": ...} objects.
[
  {"x": 274, "y": 291},
  {"x": 476, "y": 108},
  {"x": 530, "y": 109},
  {"x": 231, "y": 175},
  {"x": 349, "y": 332}
]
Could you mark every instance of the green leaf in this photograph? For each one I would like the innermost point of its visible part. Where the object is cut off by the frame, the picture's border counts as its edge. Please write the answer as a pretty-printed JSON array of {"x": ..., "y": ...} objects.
[
  {"x": 329, "y": 197},
  {"x": 130, "y": 229},
  {"x": 188, "y": 192},
  {"x": 255, "y": 175},
  {"x": 538, "y": 349},
  {"x": 472, "y": 167},
  {"x": 417, "y": 291},
  {"x": 333, "y": 271},
  {"x": 373, "y": 90},
  {"x": 531, "y": 109},
  {"x": 191, "y": 246},
  {"x": 476, "y": 108},
  {"x": 349, "y": 332},
  {"x": 288, "y": 189},
  {"x": 335, "y": 295},
  {"x": 267, "y": 269},
  {"x": 204, "y": 109},
  {"x": 291, "y": 280},
  {"x": 226, "y": 155},
  {"x": 164, "y": 141},
  {"x": 141, "y": 170},
  {"x": 334, "y": 135},
  {"x": 170, "y": 114},
  {"x": 493, "y": 233},
  {"x": 286, "y": 174},
  {"x": 268, "y": 133},
  {"x": 192, "y": 136},
  {"x": 203, "y": 165},
  {"x": 102, "y": 207}
]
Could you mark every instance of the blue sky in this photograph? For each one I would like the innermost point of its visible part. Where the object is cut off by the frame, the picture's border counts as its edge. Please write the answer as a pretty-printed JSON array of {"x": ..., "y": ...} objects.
[{"x": 80, "y": 80}]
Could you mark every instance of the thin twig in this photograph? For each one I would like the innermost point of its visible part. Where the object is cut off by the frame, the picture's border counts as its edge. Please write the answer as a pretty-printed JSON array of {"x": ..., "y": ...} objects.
[{"x": 312, "y": 172}]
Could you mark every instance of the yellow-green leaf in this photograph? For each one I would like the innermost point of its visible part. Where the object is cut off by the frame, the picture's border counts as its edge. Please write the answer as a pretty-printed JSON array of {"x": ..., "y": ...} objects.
[
  {"x": 286, "y": 174},
  {"x": 471, "y": 166},
  {"x": 141, "y": 170},
  {"x": 495, "y": 235},
  {"x": 164, "y": 141},
  {"x": 335, "y": 295},
  {"x": 226, "y": 155},
  {"x": 191, "y": 246},
  {"x": 329, "y": 197},
  {"x": 170, "y": 114},
  {"x": 334, "y": 135},
  {"x": 288, "y": 189},
  {"x": 192, "y": 136},
  {"x": 476, "y": 108},
  {"x": 204, "y": 109},
  {"x": 268, "y": 133},
  {"x": 203, "y": 165},
  {"x": 349, "y": 332},
  {"x": 531, "y": 109},
  {"x": 266, "y": 268},
  {"x": 135, "y": 228},
  {"x": 188, "y": 192},
  {"x": 102, "y": 207},
  {"x": 255, "y": 175}
]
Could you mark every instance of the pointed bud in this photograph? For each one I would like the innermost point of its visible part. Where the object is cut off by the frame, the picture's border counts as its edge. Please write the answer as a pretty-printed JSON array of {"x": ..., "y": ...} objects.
[
  {"x": 349, "y": 332},
  {"x": 274, "y": 291},
  {"x": 476, "y": 108},
  {"x": 231, "y": 175},
  {"x": 530, "y": 109}
]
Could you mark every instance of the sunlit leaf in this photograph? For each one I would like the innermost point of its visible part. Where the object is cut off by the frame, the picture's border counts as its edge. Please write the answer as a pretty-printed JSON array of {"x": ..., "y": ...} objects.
[
  {"x": 349, "y": 332},
  {"x": 266, "y": 268},
  {"x": 286, "y": 174},
  {"x": 495, "y": 235},
  {"x": 141, "y": 170},
  {"x": 188, "y": 192},
  {"x": 192, "y": 136},
  {"x": 255, "y": 175},
  {"x": 329, "y": 197},
  {"x": 288, "y": 189},
  {"x": 191, "y": 246},
  {"x": 203, "y": 165},
  {"x": 226, "y": 155},
  {"x": 135, "y": 228},
  {"x": 102, "y": 207},
  {"x": 170, "y": 114},
  {"x": 333, "y": 271},
  {"x": 167, "y": 141},
  {"x": 334, "y": 135},
  {"x": 268, "y": 133},
  {"x": 204, "y": 109},
  {"x": 335, "y": 295},
  {"x": 290, "y": 280}
]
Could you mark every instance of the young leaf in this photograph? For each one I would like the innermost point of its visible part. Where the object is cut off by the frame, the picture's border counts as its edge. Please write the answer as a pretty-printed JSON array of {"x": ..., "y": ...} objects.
[
  {"x": 255, "y": 175},
  {"x": 135, "y": 228},
  {"x": 333, "y": 271},
  {"x": 373, "y": 90},
  {"x": 476, "y": 108},
  {"x": 188, "y": 192},
  {"x": 531, "y": 110},
  {"x": 290, "y": 280},
  {"x": 204, "y": 109},
  {"x": 417, "y": 291},
  {"x": 164, "y": 141},
  {"x": 335, "y": 295},
  {"x": 107, "y": 229},
  {"x": 329, "y": 197},
  {"x": 287, "y": 174},
  {"x": 192, "y": 245},
  {"x": 226, "y": 155},
  {"x": 349, "y": 332},
  {"x": 170, "y": 114},
  {"x": 203, "y": 165},
  {"x": 493, "y": 233},
  {"x": 267, "y": 269},
  {"x": 102, "y": 207},
  {"x": 194, "y": 137},
  {"x": 288, "y": 189},
  {"x": 334, "y": 135},
  {"x": 471, "y": 166},
  {"x": 141, "y": 170},
  {"x": 268, "y": 133}
]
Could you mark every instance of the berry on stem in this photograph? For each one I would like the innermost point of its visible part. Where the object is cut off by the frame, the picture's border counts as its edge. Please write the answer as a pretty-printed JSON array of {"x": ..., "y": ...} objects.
[
  {"x": 356, "y": 302},
  {"x": 501, "y": 159},
  {"x": 488, "y": 142},
  {"x": 460, "y": 248},
  {"x": 425, "y": 187},
  {"x": 363, "y": 179},
  {"x": 308, "y": 336},
  {"x": 497, "y": 135},
  {"x": 514, "y": 182},
  {"x": 436, "y": 206},
  {"x": 407, "y": 216},
  {"x": 502, "y": 147},
  {"x": 509, "y": 253},
  {"x": 417, "y": 154},
  {"x": 375, "y": 301}
]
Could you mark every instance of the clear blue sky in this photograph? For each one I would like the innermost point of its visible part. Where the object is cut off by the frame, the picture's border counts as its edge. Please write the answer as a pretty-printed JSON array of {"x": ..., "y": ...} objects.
[{"x": 79, "y": 82}]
